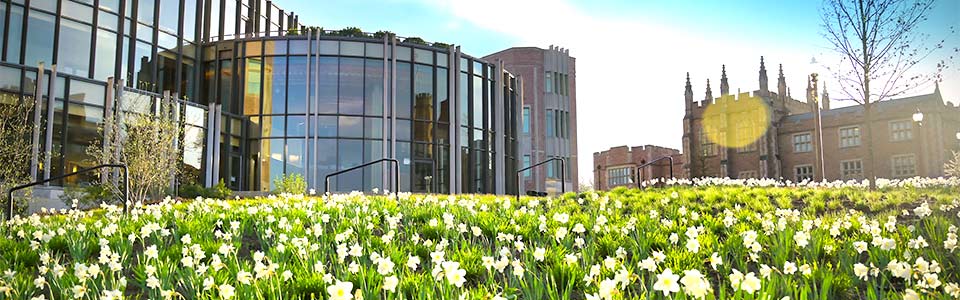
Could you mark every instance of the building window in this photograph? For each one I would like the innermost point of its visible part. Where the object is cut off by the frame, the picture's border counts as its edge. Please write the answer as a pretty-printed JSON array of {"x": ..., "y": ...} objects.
[
  {"x": 803, "y": 172},
  {"x": 619, "y": 176},
  {"x": 747, "y": 174},
  {"x": 849, "y": 136},
  {"x": 526, "y": 119},
  {"x": 851, "y": 169},
  {"x": 901, "y": 131},
  {"x": 548, "y": 82},
  {"x": 706, "y": 145},
  {"x": 526, "y": 164},
  {"x": 745, "y": 134},
  {"x": 802, "y": 143},
  {"x": 551, "y": 123},
  {"x": 904, "y": 165}
]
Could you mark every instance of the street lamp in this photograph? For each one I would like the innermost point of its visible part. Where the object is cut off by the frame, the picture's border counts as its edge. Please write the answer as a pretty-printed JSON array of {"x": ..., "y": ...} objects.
[{"x": 918, "y": 117}]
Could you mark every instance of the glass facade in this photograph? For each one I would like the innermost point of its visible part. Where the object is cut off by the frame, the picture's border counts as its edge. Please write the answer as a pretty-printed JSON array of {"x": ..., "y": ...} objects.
[{"x": 261, "y": 98}]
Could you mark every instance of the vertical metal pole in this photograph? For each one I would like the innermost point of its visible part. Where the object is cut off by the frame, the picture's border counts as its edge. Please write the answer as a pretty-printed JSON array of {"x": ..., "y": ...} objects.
[
  {"x": 48, "y": 141},
  {"x": 316, "y": 102},
  {"x": 126, "y": 189},
  {"x": 384, "y": 170},
  {"x": 35, "y": 145},
  {"x": 107, "y": 130},
  {"x": 393, "y": 100},
  {"x": 563, "y": 176},
  {"x": 308, "y": 158}
]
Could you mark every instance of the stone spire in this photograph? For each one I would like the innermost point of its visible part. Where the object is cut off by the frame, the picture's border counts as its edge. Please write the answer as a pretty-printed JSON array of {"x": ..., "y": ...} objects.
[
  {"x": 688, "y": 94},
  {"x": 724, "y": 86},
  {"x": 782, "y": 85},
  {"x": 763, "y": 77},
  {"x": 709, "y": 95},
  {"x": 825, "y": 99}
]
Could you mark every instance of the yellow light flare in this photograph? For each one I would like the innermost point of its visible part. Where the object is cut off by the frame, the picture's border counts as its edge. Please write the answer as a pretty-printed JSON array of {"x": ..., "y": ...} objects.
[{"x": 736, "y": 122}]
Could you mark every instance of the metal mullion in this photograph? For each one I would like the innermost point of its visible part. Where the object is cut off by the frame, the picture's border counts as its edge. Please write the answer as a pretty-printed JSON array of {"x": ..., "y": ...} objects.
[
  {"x": 6, "y": 25},
  {"x": 154, "y": 68},
  {"x": 23, "y": 31},
  {"x": 178, "y": 70},
  {"x": 58, "y": 17}
]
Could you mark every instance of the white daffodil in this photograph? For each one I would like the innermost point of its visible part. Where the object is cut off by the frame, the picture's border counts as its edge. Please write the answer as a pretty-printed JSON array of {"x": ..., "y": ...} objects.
[{"x": 667, "y": 282}]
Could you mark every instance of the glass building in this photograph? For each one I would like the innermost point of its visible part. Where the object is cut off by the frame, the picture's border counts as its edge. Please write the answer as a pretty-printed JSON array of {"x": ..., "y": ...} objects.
[{"x": 284, "y": 98}]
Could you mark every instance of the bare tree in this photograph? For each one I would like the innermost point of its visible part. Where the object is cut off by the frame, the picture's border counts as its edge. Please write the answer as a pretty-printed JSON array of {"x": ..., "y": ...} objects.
[
  {"x": 16, "y": 128},
  {"x": 880, "y": 44},
  {"x": 952, "y": 167},
  {"x": 147, "y": 144}
]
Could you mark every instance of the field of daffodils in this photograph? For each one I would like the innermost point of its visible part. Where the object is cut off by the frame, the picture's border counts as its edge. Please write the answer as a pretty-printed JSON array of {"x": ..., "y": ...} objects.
[{"x": 710, "y": 239}]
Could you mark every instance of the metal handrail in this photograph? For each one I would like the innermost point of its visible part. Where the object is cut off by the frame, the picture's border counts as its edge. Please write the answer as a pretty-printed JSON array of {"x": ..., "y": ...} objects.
[
  {"x": 563, "y": 179},
  {"x": 126, "y": 184},
  {"x": 640, "y": 168},
  {"x": 396, "y": 174}
]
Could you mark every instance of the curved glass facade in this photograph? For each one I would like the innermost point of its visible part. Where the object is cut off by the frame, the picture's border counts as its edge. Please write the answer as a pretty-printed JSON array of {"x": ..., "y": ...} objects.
[
  {"x": 285, "y": 100},
  {"x": 314, "y": 105}
]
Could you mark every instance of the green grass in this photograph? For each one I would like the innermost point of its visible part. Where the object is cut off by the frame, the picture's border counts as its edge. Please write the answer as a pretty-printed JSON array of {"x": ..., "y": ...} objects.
[{"x": 306, "y": 244}]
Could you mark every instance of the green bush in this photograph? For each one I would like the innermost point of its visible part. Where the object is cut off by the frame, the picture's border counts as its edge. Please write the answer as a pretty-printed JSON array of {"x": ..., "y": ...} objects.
[
  {"x": 415, "y": 40},
  {"x": 291, "y": 184},
  {"x": 219, "y": 191}
]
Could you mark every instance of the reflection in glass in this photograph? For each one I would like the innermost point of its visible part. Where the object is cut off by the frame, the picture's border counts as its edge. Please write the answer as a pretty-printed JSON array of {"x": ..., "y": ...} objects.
[
  {"x": 74, "y": 52},
  {"x": 351, "y": 126},
  {"x": 373, "y": 128},
  {"x": 251, "y": 95},
  {"x": 478, "y": 102},
  {"x": 83, "y": 123},
  {"x": 81, "y": 91},
  {"x": 12, "y": 43},
  {"x": 105, "y": 55},
  {"x": 403, "y": 90},
  {"x": 351, "y": 86},
  {"x": 295, "y": 156},
  {"x": 297, "y": 84},
  {"x": 423, "y": 92},
  {"x": 373, "y": 150},
  {"x": 326, "y": 126},
  {"x": 351, "y": 154},
  {"x": 274, "y": 85},
  {"x": 328, "y": 85},
  {"x": 373, "y": 87},
  {"x": 296, "y": 126},
  {"x": 39, "y": 39}
]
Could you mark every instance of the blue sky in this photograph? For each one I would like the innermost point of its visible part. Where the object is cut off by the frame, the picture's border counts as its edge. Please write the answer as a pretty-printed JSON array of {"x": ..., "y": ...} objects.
[{"x": 631, "y": 55}]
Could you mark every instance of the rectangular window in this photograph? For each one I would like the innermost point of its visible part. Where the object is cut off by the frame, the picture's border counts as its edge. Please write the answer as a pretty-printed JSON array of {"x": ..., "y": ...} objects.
[
  {"x": 548, "y": 82},
  {"x": 803, "y": 172},
  {"x": 901, "y": 131},
  {"x": 802, "y": 142},
  {"x": 904, "y": 165},
  {"x": 526, "y": 119},
  {"x": 708, "y": 148},
  {"x": 551, "y": 123},
  {"x": 851, "y": 169},
  {"x": 849, "y": 136},
  {"x": 619, "y": 176},
  {"x": 745, "y": 135},
  {"x": 526, "y": 164}
]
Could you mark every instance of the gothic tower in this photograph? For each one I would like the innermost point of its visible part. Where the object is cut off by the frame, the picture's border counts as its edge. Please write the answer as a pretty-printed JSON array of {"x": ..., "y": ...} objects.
[
  {"x": 688, "y": 96},
  {"x": 763, "y": 78},
  {"x": 782, "y": 86},
  {"x": 724, "y": 86}
]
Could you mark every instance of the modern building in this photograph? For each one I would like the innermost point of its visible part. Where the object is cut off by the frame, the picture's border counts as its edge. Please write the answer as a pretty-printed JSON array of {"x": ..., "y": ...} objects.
[
  {"x": 263, "y": 95},
  {"x": 621, "y": 166},
  {"x": 808, "y": 140},
  {"x": 549, "y": 128}
]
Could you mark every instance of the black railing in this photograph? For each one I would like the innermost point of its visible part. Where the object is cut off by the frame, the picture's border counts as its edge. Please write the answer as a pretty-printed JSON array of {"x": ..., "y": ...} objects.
[
  {"x": 396, "y": 174},
  {"x": 126, "y": 185},
  {"x": 641, "y": 167},
  {"x": 563, "y": 179}
]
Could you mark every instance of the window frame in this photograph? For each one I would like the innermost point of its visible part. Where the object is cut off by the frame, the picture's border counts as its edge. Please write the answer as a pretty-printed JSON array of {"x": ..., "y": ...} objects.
[
  {"x": 892, "y": 132},
  {"x": 793, "y": 140},
  {"x": 796, "y": 173},
  {"x": 893, "y": 165},
  {"x": 841, "y": 137},
  {"x": 843, "y": 170}
]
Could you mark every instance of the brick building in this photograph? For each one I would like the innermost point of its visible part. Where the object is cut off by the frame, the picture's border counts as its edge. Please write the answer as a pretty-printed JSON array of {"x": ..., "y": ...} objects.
[
  {"x": 618, "y": 165},
  {"x": 549, "y": 114},
  {"x": 789, "y": 144}
]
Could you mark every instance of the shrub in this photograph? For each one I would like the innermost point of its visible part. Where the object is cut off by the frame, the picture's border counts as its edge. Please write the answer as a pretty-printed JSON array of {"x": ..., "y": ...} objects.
[
  {"x": 218, "y": 191},
  {"x": 415, "y": 40},
  {"x": 291, "y": 184},
  {"x": 350, "y": 32},
  {"x": 380, "y": 34}
]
